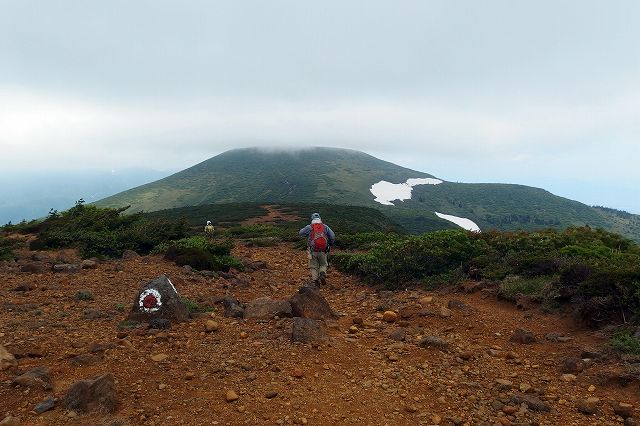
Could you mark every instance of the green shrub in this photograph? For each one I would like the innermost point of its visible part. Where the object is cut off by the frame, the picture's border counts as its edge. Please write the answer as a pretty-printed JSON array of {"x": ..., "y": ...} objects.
[
  {"x": 625, "y": 342},
  {"x": 514, "y": 286},
  {"x": 85, "y": 295},
  {"x": 202, "y": 260},
  {"x": 192, "y": 305},
  {"x": 221, "y": 248}
]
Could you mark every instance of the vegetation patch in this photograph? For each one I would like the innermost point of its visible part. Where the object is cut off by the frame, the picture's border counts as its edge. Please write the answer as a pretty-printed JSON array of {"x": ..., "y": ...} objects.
[{"x": 625, "y": 342}]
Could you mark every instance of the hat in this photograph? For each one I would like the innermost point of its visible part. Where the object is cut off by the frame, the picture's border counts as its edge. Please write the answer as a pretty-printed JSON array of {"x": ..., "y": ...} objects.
[
  {"x": 208, "y": 222},
  {"x": 315, "y": 216}
]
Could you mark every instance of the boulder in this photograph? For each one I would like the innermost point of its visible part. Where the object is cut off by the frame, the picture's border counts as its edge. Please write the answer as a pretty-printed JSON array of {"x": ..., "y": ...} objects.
[
  {"x": 308, "y": 330},
  {"x": 232, "y": 308},
  {"x": 520, "y": 335},
  {"x": 38, "y": 376},
  {"x": 589, "y": 405},
  {"x": 130, "y": 254},
  {"x": 309, "y": 303},
  {"x": 433, "y": 342},
  {"x": 158, "y": 299},
  {"x": 265, "y": 307},
  {"x": 97, "y": 394},
  {"x": 66, "y": 267},
  {"x": 7, "y": 360},
  {"x": 89, "y": 264},
  {"x": 34, "y": 267},
  {"x": 573, "y": 365}
]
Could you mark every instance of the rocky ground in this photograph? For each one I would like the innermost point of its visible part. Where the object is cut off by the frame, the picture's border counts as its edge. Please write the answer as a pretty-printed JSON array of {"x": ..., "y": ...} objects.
[{"x": 391, "y": 358}]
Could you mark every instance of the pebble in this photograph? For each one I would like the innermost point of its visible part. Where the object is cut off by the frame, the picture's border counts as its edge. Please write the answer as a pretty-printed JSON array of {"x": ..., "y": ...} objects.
[
  {"x": 389, "y": 316},
  {"x": 211, "y": 326},
  {"x": 162, "y": 386},
  {"x": 231, "y": 396},
  {"x": 159, "y": 357},
  {"x": 568, "y": 378},
  {"x": 426, "y": 300},
  {"x": 297, "y": 373}
]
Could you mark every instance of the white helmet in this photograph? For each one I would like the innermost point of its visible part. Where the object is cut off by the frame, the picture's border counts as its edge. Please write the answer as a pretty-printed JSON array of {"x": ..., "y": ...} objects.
[{"x": 208, "y": 222}]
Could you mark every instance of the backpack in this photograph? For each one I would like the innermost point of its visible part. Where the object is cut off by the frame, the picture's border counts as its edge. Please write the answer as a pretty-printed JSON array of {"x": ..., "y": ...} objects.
[{"x": 318, "y": 238}]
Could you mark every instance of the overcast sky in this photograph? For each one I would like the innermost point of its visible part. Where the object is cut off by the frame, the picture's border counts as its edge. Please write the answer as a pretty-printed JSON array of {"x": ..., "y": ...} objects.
[{"x": 544, "y": 93}]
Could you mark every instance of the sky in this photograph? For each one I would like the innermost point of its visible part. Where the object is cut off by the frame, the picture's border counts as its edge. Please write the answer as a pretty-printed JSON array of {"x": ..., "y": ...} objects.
[{"x": 542, "y": 93}]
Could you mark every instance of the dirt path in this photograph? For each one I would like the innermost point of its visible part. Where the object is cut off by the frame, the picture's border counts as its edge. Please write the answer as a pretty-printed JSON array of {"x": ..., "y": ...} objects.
[
  {"x": 274, "y": 216},
  {"x": 356, "y": 379}
]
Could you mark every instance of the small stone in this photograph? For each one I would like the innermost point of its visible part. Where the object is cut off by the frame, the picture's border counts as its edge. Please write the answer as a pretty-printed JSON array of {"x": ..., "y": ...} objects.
[
  {"x": 353, "y": 329},
  {"x": 525, "y": 387},
  {"x": 509, "y": 409},
  {"x": 10, "y": 421},
  {"x": 591, "y": 388},
  {"x": 589, "y": 405},
  {"x": 159, "y": 357},
  {"x": 389, "y": 316},
  {"x": 568, "y": 378},
  {"x": 271, "y": 394},
  {"x": 572, "y": 365},
  {"x": 357, "y": 321},
  {"x": 445, "y": 312},
  {"x": 297, "y": 373},
  {"x": 623, "y": 409},
  {"x": 45, "y": 405},
  {"x": 426, "y": 300},
  {"x": 244, "y": 335},
  {"x": 211, "y": 326},
  {"x": 436, "y": 419},
  {"x": 231, "y": 396},
  {"x": 7, "y": 359},
  {"x": 189, "y": 375},
  {"x": 162, "y": 386}
]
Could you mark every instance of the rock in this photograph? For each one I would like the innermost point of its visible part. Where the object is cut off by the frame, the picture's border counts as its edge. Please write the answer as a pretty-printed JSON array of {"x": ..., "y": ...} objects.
[
  {"x": 520, "y": 335},
  {"x": 45, "y": 405},
  {"x": 389, "y": 316},
  {"x": 38, "y": 376},
  {"x": 92, "y": 314},
  {"x": 159, "y": 357},
  {"x": 66, "y": 267},
  {"x": 630, "y": 421},
  {"x": 308, "y": 330},
  {"x": 592, "y": 354},
  {"x": 10, "y": 421},
  {"x": 25, "y": 287},
  {"x": 573, "y": 365},
  {"x": 231, "y": 396},
  {"x": 211, "y": 326},
  {"x": 433, "y": 342},
  {"x": 353, "y": 329},
  {"x": 85, "y": 359},
  {"x": 232, "y": 308},
  {"x": 89, "y": 264},
  {"x": 271, "y": 394},
  {"x": 7, "y": 360},
  {"x": 509, "y": 410},
  {"x": 189, "y": 375},
  {"x": 408, "y": 312},
  {"x": 623, "y": 409},
  {"x": 130, "y": 254},
  {"x": 97, "y": 347},
  {"x": 97, "y": 394},
  {"x": 309, "y": 303},
  {"x": 159, "y": 324},
  {"x": 265, "y": 307},
  {"x": 298, "y": 373},
  {"x": 158, "y": 299},
  {"x": 458, "y": 304},
  {"x": 398, "y": 335},
  {"x": 568, "y": 378},
  {"x": 426, "y": 300},
  {"x": 589, "y": 405},
  {"x": 33, "y": 268},
  {"x": 358, "y": 320},
  {"x": 557, "y": 337},
  {"x": 445, "y": 312},
  {"x": 533, "y": 402}
]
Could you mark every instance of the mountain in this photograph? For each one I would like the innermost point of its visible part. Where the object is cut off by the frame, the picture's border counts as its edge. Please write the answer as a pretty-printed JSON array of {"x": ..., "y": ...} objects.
[{"x": 341, "y": 176}]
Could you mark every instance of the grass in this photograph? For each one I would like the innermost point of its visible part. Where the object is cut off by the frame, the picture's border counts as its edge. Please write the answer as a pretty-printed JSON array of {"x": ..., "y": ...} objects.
[
  {"x": 625, "y": 342},
  {"x": 515, "y": 286}
]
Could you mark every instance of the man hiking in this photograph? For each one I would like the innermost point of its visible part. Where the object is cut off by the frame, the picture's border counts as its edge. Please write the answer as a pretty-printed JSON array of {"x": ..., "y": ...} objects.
[
  {"x": 208, "y": 229},
  {"x": 320, "y": 238}
]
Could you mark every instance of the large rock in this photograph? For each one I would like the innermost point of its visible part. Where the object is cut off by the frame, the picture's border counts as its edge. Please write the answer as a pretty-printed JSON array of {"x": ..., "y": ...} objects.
[
  {"x": 158, "y": 299},
  {"x": 433, "y": 342},
  {"x": 265, "y": 307},
  {"x": 309, "y": 303},
  {"x": 38, "y": 376},
  {"x": 232, "y": 308},
  {"x": 7, "y": 359},
  {"x": 98, "y": 394},
  {"x": 520, "y": 335},
  {"x": 308, "y": 330}
]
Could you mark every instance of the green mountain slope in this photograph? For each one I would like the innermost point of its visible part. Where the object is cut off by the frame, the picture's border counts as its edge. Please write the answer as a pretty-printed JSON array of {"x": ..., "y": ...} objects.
[{"x": 340, "y": 176}]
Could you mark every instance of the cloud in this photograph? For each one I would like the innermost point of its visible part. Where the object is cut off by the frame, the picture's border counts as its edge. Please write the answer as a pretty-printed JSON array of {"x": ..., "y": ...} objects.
[{"x": 63, "y": 132}]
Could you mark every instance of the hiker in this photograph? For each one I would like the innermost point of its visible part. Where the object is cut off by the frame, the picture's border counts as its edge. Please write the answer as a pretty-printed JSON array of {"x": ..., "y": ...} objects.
[
  {"x": 320, "y": 238},
  {"x": 208, "y": 230}
]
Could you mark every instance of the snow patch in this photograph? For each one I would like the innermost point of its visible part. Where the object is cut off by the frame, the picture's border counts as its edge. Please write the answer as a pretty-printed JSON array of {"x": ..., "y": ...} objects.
[
  {"x": 462, "y": 222},
  {"x": 385, "y": 192}
]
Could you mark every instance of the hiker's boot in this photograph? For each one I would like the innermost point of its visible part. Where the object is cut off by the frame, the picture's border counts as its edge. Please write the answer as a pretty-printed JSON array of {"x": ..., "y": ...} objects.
[{"x": 322, "y": 279}]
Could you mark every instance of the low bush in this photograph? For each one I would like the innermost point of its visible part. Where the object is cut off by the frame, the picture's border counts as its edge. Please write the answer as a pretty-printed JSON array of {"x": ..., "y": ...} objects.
[
  {"x": 202, "y": 260},
  {"x": 626, "y": 342}
]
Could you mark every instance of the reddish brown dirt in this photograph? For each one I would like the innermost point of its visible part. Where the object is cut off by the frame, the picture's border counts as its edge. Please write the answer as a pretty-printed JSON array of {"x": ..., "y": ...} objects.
[
  {"x": 274, "y": 215},
  {"x": 361, "y": 378}
]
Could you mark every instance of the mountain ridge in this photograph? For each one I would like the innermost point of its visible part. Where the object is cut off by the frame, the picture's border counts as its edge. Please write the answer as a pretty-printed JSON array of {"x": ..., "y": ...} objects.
[{"x": 345, "y": 176}]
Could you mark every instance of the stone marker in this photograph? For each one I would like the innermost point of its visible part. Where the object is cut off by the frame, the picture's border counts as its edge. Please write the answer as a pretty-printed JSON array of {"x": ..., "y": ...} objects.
[{"x": 158, "y": 299}]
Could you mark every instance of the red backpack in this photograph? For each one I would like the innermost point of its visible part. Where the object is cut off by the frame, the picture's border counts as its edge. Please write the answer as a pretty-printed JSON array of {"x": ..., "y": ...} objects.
[{"x": 318, "y": 237}]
